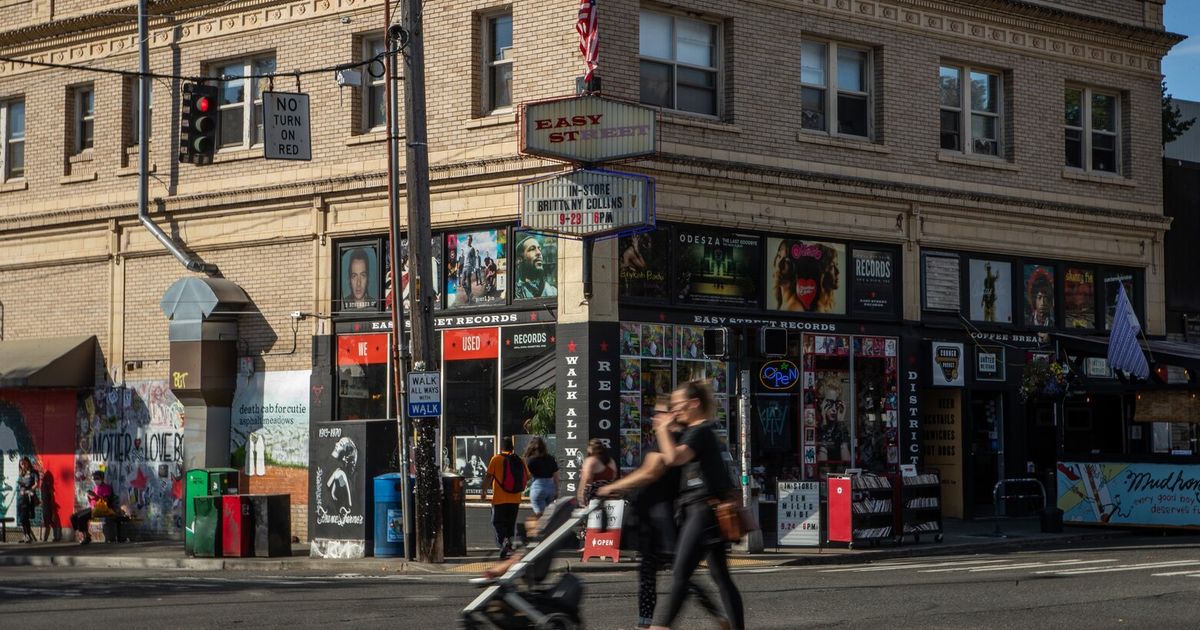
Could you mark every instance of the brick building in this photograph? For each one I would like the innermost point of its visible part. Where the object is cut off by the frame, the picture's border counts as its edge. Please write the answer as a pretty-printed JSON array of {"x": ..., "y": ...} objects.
[{"x": 913, "y": 189}]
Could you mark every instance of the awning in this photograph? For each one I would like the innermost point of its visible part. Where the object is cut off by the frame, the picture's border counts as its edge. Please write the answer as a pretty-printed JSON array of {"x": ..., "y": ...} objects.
[
  {"x": 1177, "y": 353},
  {"x": 48, "y": 362},
  {"x": 536, "y": 374}
]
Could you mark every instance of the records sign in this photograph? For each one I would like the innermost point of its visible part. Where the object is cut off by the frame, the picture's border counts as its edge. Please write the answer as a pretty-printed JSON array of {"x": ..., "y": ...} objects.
[
  {"x": 942, "y": 282},
  {"x": 588, "y": 203},
  {"x": 873, "y": 292}
]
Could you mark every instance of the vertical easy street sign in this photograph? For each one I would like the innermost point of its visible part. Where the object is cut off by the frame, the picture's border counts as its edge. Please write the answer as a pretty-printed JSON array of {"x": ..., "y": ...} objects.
[
  {"x": 286, "y": 126},
  {"x": 424, "y": 394}
]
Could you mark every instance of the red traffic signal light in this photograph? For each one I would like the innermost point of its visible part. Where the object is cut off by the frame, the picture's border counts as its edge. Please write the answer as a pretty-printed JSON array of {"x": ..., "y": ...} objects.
[{"x": 198, "y": 127}]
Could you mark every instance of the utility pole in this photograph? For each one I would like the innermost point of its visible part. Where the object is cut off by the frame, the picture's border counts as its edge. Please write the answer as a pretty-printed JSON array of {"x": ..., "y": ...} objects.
[
  {"x": 398, "y": 350},
  {"x": 429, "y": 482}
]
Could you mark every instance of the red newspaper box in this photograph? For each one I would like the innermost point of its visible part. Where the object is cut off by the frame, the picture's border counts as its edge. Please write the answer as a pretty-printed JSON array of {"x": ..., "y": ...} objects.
[{"x": 237, "y": 526}]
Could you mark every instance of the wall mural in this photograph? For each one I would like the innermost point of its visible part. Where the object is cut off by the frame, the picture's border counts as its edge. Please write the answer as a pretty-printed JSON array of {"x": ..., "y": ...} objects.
[
  {"x": 134, "y": 433},
  {"x": 269, "y": 432},
  {"x": 29, "y": 423}
]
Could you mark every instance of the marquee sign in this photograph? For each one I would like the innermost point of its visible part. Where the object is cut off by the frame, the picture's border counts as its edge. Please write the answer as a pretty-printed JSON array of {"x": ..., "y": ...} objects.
[
  {"x": 588, "y": 203},
  {"x": 587, "y": 129}
]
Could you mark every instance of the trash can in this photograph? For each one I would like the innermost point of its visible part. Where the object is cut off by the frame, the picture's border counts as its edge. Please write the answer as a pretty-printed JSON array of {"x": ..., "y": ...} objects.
[
  {"x": 237, "y": 526},
  {"x": 206, "y": 540},
  {"x": 202, "y": 482},
  {"x": 454, "y": 515},
  {"x": 389, "y": 515},
  {"x": 272, "y": 524}
]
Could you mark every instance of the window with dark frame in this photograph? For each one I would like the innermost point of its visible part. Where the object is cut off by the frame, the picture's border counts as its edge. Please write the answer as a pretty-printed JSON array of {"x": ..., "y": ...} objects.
[
  {"x": 970, "y": 108},
  {"x": 835, "y": 88},
  {"x": 498, "y": 56},
  {"x": 1091, "y": 130},
  {"x": 679, "y": 67},
  {"x": 12, "y": 139}
]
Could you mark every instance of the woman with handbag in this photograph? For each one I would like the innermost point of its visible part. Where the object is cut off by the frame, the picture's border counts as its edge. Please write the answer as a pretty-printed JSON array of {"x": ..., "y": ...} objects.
[
  {"x": 27, "y": 497},
  {"x": 705, "y": 483}
]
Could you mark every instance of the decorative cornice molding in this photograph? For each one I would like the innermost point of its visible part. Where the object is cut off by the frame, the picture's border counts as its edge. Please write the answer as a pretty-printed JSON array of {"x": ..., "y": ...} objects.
[{"x": 1032, "y": 31}]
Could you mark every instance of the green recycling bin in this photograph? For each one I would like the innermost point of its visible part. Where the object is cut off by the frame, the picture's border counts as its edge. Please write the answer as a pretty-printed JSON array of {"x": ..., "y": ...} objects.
[
  {"x": 200, "y": 482},
  {"x": 206, "y": 537}
]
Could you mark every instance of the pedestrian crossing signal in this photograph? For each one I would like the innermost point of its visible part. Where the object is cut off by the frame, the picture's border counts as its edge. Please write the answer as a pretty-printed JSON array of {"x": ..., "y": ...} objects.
[{"x": 716, "y": 343}]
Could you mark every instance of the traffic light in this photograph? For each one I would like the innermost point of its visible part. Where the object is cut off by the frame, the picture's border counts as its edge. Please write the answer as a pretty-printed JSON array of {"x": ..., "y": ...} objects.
[{"x": 198, "y": 128}]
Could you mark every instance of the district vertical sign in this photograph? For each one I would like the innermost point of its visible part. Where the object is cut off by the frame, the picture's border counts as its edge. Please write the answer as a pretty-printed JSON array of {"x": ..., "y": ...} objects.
[{"x": 286, "y": 126}]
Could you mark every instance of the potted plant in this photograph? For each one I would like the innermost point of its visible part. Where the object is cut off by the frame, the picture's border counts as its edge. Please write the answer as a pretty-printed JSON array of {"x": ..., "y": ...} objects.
[
  {"x": 1048, "y": 380},
  {"x": 541, "y": 407}
]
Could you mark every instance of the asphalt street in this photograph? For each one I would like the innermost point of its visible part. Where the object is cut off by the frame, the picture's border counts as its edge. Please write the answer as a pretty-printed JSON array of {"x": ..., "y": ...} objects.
[{"x": 1101, "y": 586}]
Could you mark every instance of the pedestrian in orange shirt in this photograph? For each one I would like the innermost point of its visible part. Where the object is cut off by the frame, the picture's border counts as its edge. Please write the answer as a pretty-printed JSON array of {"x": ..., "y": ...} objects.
[{"x": 507, "y": 476}]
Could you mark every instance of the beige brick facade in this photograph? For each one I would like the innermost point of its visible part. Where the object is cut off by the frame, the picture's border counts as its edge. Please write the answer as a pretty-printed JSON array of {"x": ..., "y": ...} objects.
[{"x": 74, "y": 260}]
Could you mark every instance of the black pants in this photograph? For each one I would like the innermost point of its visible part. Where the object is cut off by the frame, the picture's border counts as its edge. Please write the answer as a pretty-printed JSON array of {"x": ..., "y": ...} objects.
[
  {"x": 697, "y": 540},
  {"x": 25, "y": 515},
  {"x": 504, "y": 521},
  {"x": 79, "y": 521}
]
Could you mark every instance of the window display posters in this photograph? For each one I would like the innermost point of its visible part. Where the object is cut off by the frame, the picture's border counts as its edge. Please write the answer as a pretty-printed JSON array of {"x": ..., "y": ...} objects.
[
  {"x": 631, "y": 412},
  {"x": 359, "y": 277},
  {"x": 644, "y": 265},
  {"x": 476, "y": 268},
  {"x": 435, "y": 253},
  {"x": 805, "y": 276},
  {"x": 631, "y": 375},
  {"x": 656, "y": 340},
  {"x": 873, "y": 282},
  {"x": 535, "y": 267},
  {"x": 798, "y": 520},
  {"x": 947, "y": 364},
  {"x": 690, "y": 342},
  {"x": 715, "y": 268},
  {"x": 631, "y": 449},
  {"x": 471, "y": 456},
  {"x": 941, "y": 282},
  {"x": 1111, "y": 278},
  {"x": 1079, "y": 297},
  {"x": 991, "y": 291},
  {"x": 1039, "y": 295}
]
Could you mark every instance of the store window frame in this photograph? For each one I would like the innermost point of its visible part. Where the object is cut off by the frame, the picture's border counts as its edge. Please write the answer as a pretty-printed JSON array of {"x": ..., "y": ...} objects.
[
  {"x": 965, "y": 112},
  {"x": 9, "y": 138},
  {"x": 832, "y": 89},
  {"x": 671, "y": 62},
  {"x": 1087, "y": 131}
]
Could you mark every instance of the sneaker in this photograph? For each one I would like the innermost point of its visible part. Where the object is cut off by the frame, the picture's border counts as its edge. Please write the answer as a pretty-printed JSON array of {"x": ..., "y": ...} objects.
[{"x": 85, "y": 540}]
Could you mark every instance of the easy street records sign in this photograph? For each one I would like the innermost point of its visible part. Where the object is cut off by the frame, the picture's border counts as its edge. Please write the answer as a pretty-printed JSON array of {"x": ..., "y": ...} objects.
[
  {"x": 947, "y": 364},
  {"x": 588, "y": 203},
  {"x": 587, "y": 129},
  {"x": 424, "y": 394},
  {"x": 286, "y": 127}
]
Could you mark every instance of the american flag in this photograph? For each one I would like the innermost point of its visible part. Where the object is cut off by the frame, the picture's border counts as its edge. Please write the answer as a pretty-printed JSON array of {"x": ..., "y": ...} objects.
[
  {"x": 1124, "y": 353},
  {"x": 589, "y": 38}
]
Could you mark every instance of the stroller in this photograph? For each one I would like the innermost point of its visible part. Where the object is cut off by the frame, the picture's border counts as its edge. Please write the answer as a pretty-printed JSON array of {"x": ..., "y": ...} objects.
[{"x": 519, "y": 599}]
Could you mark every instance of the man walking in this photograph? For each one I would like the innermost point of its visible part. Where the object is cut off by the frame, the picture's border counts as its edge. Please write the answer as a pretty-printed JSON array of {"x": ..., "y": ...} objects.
[{"x": 507, "y": 476}]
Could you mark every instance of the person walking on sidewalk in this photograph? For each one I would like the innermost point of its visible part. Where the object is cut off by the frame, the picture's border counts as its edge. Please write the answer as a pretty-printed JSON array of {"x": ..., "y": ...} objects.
[
  {"x": 544, "y": 470},
  {"x": 598, "y": 468},
  {"x": 27, "y": 497},
  {"x": 507, "y": 476},
  {"x": 100, "y": 491},
  {"x": 705, "y": 479}
]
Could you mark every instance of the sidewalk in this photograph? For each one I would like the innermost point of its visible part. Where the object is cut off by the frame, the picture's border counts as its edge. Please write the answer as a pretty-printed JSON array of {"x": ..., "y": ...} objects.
[{"x": 961, "y": 537}]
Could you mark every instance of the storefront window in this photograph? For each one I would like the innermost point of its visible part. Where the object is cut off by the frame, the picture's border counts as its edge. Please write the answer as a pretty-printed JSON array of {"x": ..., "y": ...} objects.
[
  {"x": 362, "y": 375},
  {"x": 527, "y": 356},
  {"x": 876, "y": 386},
  {"x": 470, "y": 399},
  {"x": 827, "y": 404}
]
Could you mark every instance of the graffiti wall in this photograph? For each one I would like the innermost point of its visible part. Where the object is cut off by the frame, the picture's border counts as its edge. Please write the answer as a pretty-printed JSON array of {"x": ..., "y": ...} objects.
[
  {"x": 38, "y": 424},
  {"x": 269, "y": 433},
  {"x": 134, "y": 433}
]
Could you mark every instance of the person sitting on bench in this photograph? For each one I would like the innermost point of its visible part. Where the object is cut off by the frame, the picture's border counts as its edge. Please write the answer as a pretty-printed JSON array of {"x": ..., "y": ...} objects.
[{"x": 100, "y": 491}]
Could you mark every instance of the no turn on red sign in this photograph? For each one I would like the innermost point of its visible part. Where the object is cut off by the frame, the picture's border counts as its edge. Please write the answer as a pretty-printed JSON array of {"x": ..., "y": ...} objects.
[{"x": 286, "y": 126}]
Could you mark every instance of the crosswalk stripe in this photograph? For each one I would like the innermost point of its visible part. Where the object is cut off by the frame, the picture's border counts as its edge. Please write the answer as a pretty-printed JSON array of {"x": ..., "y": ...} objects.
[
  {"x": 1035, "y": 565},
  {"x": 905, "y": 566},
  {"x": 1133, "y": 567},
  {"x": 1189, "y": 573}
]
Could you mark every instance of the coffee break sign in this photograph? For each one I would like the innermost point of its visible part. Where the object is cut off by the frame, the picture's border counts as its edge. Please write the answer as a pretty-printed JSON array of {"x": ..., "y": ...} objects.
[
  {"x": 587, "y": 129},
  {"x": 588, "y": 203}
]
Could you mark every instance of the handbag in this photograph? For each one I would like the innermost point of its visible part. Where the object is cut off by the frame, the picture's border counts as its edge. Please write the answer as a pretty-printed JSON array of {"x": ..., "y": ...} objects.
[{"x": 733, "y": 519}]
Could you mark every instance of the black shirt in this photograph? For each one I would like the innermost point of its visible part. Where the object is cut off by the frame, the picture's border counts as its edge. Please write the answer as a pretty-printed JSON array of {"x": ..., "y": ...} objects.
[
  {"x": 706, "y": 475},
  {"x": 542, "y": 466}
]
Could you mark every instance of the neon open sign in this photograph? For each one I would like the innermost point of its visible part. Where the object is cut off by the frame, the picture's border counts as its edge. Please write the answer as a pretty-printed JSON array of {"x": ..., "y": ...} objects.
[{"x": 779, "y": 374}]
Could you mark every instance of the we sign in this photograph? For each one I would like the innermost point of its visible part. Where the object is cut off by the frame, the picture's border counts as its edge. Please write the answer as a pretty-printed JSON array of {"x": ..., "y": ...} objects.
[{"x": 286, "y": 126}]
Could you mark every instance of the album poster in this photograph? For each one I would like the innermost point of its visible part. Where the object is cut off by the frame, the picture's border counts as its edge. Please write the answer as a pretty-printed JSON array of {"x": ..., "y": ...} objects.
[
  {"x": 874, "y": 282},
  {"x": 476, "y": 268},
  {"x": 1111, "y": 278},
  {"x": 806, "y": 276},
  {"x": 717, "y": 268},
  {"x": 535, "y": 267},
  {"x": 1039, "y": 295},
  {"x": 359, "y": 277},
  {"x": 644, "y": 264},
  {"x": 991, "y": 291},
  {"x": 1079, "y": 297}
]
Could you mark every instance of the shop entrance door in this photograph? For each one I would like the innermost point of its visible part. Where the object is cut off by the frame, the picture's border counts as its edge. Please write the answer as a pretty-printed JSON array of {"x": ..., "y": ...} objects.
[{"x": 986, "y": 448}]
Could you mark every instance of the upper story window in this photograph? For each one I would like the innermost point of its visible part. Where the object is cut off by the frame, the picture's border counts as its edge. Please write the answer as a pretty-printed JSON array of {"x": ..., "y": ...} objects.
[
  {"x": 135, "y": 112},
  {"x": 374, "y": 88},
  {"x": 12, "y": 139},
  {"x": 240, "y": 101},
  {"x": 970, "y": 110},
  {"x": 679, "y": 68},
  {"x": 498, "y": 59},
  {"x": 1092, "y": 129},
  {"x": 85, "y": 117},
  {"x": 835, "y": 88}
]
